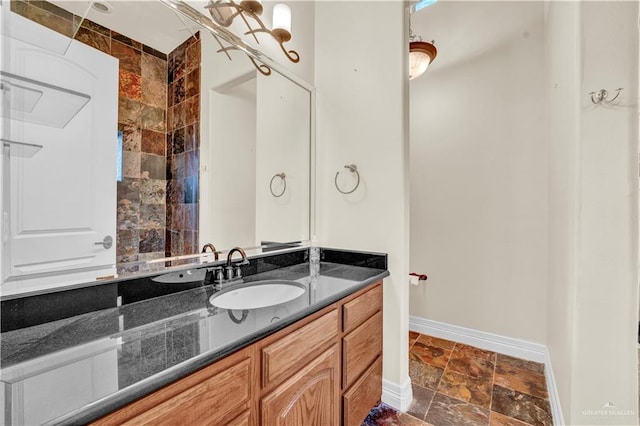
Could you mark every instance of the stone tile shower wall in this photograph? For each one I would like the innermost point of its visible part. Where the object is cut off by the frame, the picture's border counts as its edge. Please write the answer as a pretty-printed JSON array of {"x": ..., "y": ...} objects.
[
  {"x": 151, "y": 221},
  {"x": 183, "y": 148}
]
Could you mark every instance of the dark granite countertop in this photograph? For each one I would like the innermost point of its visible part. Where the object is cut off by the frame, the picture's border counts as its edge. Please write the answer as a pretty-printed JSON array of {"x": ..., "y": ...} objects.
[{"x": 78, "y": 369}]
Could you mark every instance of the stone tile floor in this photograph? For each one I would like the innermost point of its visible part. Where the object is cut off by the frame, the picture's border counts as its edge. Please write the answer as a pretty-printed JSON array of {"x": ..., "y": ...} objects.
[{"x": 456, "y": 384}]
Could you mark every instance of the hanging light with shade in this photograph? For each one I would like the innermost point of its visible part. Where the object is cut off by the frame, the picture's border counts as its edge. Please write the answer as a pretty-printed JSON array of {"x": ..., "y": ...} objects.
[{"x": 421, "y": 53}]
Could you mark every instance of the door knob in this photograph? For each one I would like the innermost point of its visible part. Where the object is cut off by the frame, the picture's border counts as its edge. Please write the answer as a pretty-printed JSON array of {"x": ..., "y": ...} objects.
[{"x": 107, "y": 242}]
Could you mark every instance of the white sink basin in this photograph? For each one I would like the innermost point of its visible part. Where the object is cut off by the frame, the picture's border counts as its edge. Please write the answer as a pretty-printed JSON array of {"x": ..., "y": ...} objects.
[{"x": 258, "y": 295}]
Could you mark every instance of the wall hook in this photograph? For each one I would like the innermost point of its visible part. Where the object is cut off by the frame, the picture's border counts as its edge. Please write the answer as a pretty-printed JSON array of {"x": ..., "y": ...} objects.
[
  {"x": 353, "y": 169},
  {"x": 602, "y": 95}
]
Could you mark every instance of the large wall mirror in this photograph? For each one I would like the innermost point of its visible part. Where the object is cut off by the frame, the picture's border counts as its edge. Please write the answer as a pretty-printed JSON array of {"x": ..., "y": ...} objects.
[{"x": 130, "y": 148}]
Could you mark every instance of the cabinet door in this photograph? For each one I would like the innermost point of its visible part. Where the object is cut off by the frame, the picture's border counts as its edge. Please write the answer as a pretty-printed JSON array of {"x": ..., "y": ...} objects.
[{"x": 309, "y": 397}]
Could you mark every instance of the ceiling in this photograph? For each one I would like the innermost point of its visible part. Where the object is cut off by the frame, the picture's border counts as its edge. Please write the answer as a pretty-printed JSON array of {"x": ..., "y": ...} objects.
[{"x": 464, "y": 30}]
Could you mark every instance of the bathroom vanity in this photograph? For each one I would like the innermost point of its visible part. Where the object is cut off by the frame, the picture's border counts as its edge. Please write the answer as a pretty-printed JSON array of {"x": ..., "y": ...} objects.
[{"x": 176, "y": 358}]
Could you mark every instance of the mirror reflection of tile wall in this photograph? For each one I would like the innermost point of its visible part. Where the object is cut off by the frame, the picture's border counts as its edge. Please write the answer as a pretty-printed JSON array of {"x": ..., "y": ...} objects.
[{"x": 159, "y": 119}]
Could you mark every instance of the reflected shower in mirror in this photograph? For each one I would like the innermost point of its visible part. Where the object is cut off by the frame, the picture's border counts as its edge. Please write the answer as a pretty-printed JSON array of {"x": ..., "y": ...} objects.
[{"x": 196, "y": 141}]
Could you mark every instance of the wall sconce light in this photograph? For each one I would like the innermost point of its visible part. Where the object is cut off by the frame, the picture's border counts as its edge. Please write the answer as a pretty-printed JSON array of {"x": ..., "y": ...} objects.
[
  {"x": 224, "y": 13},
  {"x": 421, "y": 54}
]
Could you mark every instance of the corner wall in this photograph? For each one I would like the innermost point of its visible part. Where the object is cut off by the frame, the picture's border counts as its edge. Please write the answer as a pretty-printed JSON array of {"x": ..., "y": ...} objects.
[
  {"x": 593, "y": 202},
  {"x": 361, "y": 69},
  {"x": 479, "y": 170}
]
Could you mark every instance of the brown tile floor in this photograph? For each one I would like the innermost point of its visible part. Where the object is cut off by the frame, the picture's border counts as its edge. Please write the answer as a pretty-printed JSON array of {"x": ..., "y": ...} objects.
[{"x": 456, "y": 384}]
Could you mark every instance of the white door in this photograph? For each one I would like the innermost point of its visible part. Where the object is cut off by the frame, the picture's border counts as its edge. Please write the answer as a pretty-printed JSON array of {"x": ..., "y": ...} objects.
[{"x": 62, "y": 200}]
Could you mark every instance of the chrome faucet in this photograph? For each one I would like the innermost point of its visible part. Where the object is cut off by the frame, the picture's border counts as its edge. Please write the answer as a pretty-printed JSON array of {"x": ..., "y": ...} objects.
[
  {"x": 212, "y": 248},
  {"x": 233, "y": 271}
]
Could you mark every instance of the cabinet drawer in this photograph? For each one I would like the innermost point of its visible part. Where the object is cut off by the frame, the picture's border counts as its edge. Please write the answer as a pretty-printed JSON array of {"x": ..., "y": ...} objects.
[
  {"x": 359, "y": 309},
  {"x": 285, "y": 356},
  {"x": 208, "y": 397},
  {"x": 360, "y": 348},
  {"x": 363, "y": 395}
]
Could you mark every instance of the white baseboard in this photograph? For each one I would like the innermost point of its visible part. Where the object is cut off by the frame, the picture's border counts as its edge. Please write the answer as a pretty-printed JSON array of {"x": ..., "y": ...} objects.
[
  {"x": 554, "y": 396},
  {"x": 496, "y": 343},
  {"x": 399, "y": 397}
]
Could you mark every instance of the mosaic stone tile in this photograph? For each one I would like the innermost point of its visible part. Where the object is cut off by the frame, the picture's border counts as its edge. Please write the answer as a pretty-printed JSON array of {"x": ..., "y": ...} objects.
[
  {"x": 533, "y": 367},
  {"x": 129, "y": 111},
  {"x": 154, "y": 52},
  {"x": 170, "y": 123},
  {"x": 190, "y": 191},
  {"x": 385, "y": 415},
  {"x": 152, "y": 216},
  {"x": 152, "y": 191},
  {"x": 421, "y": 400},
  {"x": 447, "y": 411},
  {"x": 177, "y": 62},
  {"x": 497, "y": 419},
  {"x": 178, "y": 116},
  {"x": 154, "y": 81},
  {"x": 460, "y": 362},
  {"x": 193, "y": 83},
  {"x": 127, "y": 259},
  {"x": 461, "y": 350},
  {"x": 130, "y": 58},
  {"x": 43, "y": 17},
  {"x": 93, "y": 39},
  {"x": 178, "y": 166},
  {"x": 153, "y": 118},
  {"x": 152, "y": 167},
  {"x": 177, "y": 141},
  {"x": 192, "y": 164},
  {"x": 131, "y": 137},
  {"x": 130, "y": 164},
  {"x": 126, "y": 40},
  {"x": 129, "y": 85},
  {"x": 190, "y": 241},
  {"x": 193, "y": 56},
  {"x": 192, "y": 137},
  {"x": 512, "y": 375},
  {"x": 178, "y": 92},
  {"x": 413, "y": 336},
  {"x": 129, "y": 189},
  {"x": 432, "y": 355},
  {"x": 127, "y": 242},
  {"x": 436, "y": 342},
  {"x": 95, "y": 27},
  {"x": 127, "y": 214},
  {"x": 175, "y": 192},
  {"x": 151, "y": 240},
  {"x": 465, "y": 388},
  {"x": 52, "y": 8},
  {"x": 424, "y": 375},
  {"x": 529, "y": 409},
  {"x": 126, "y": 268},
  {"x": 192, "y": 112},
  {"x": 153, "y": 142}
]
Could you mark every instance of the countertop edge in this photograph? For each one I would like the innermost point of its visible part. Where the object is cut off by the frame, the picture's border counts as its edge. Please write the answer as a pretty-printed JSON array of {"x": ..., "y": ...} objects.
[{"x": 145, "y": 387}]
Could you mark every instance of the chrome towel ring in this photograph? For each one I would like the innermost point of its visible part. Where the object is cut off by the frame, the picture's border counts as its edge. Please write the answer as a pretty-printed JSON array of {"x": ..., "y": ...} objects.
[
  {"x": 282, "y": 177},
  {"x": 353, "y": 169}
]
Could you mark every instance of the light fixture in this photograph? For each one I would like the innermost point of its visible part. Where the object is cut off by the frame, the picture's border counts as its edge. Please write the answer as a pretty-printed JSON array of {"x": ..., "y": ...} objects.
[
  {"x": 224, "y": 13},
  {"x": 421, "y": 54}
]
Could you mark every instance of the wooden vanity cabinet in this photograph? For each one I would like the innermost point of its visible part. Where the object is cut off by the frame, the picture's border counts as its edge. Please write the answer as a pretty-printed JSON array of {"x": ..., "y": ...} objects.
[{"x": 325, "y": 369}]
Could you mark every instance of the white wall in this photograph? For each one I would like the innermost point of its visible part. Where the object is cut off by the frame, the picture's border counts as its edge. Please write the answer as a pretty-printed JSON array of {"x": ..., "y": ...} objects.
[
  {"x": 479, "y": 169},
  {"x": 361, "y": 83},
  {"x": 283, "y": 132},
  {"x": 593, "y": 205},
  {"x": 231, "y": 165}
]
